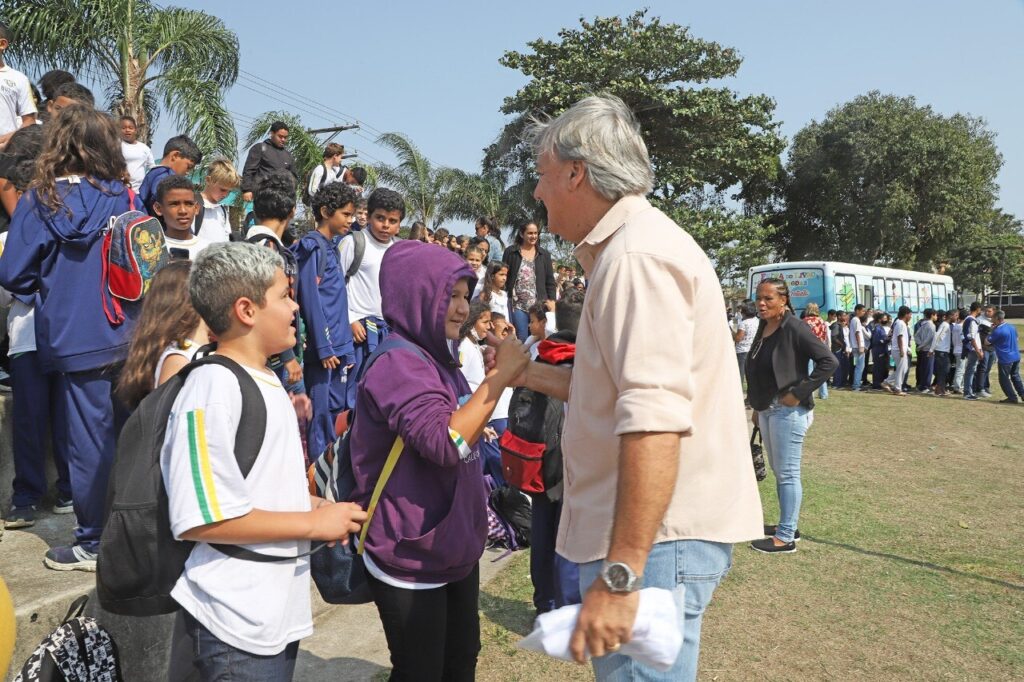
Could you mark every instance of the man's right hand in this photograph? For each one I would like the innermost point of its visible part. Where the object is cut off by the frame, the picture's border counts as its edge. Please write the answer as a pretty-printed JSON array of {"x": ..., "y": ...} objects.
[{"x": 335, "y": 521}]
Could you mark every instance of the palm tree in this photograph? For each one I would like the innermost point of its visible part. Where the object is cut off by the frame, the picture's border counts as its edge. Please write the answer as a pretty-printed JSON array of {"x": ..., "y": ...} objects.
[
  {"x": 490, "y": 194},
  {"x": 426, "y": 188},
  {"x": 148, "y": 57}
]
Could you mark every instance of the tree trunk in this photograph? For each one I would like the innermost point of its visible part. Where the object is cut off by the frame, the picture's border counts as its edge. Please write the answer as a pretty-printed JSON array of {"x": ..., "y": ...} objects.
[{"x": 133, "y": 103}]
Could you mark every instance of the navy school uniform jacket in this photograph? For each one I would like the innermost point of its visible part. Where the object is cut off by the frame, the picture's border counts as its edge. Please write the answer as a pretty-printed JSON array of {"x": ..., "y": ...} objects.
[
  {"x": 323, "y": 299},
  {"x": 60, "y": 256},
  {"x": 147, "y": 190}
]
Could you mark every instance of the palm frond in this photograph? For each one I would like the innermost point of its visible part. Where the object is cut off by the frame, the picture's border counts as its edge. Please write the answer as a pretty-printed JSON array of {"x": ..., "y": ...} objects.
[
  {"x": 198, "y": 110},
  {"x": 191, "y": 42}
]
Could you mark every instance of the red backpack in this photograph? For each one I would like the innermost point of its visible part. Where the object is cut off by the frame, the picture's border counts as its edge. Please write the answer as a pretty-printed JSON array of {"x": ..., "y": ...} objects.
[{"x": 134, "y": 250}]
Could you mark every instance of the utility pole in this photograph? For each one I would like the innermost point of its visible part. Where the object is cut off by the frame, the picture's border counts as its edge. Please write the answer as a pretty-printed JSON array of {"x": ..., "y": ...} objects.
[
  {"x": 334, "y": 130},
  {"x": 1002, "y": 264}
]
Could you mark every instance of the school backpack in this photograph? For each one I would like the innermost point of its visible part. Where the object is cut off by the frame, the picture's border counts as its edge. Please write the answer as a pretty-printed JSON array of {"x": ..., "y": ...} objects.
[
  {"x": 134, "y": 250},
  {"x": 201, "y": 216},
  {"x": 531, "y": 446},
  {"x": 359, "y": 248},
  {"x": 509, "y": 513},
  {"x": 78, "y": 650},
  {"x": 139, "y": 560}
]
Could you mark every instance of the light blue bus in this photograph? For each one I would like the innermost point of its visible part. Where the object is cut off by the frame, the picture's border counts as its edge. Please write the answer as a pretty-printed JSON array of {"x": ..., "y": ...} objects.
[{"x": 841, "y": 286}]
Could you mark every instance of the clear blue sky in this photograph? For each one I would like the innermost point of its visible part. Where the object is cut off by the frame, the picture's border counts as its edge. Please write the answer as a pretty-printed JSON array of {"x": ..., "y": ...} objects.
[{"x": 430, "y": 70}]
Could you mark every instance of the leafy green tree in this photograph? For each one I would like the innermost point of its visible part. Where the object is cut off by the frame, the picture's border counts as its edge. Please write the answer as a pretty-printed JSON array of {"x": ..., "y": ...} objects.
[
  {"x": 699, "y": 134},
  {"x": 992, "y": 252},
  {"x": 147, "y": 56},
  {"x": 427, "y": 188},
  {"x": 884, "y": 180}
]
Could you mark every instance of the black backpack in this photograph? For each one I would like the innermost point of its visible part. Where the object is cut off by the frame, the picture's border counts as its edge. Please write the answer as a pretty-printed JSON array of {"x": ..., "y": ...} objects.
[
  {"x": 531, "y": 447},
  {"x": 307, "y": 198},
  {"x": 78, "y": 650},
  {"x": 139, "y": 560}
]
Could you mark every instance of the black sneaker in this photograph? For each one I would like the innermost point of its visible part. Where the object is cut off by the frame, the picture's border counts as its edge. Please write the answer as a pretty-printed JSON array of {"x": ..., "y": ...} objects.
[
  {"x": 1007, "y": 400},
  {"x": 768, "y": 546},
  {"x": 62, "y": 506},
  {"x": 5, "y": 382},
  {"x": 21, "y": 517},
  {"x": 770, "y": 531}
]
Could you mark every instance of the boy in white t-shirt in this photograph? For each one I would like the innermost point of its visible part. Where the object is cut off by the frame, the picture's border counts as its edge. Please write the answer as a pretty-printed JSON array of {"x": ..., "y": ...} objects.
[
  {"x": 386, "y": 209},
  {"x": 176, "y": 205},
  {"x": 212, "y": 220},
  {"x": 17, "y": 107},
  {"x": 243, "y": 619},
  {"x": 137, "y": 155}
]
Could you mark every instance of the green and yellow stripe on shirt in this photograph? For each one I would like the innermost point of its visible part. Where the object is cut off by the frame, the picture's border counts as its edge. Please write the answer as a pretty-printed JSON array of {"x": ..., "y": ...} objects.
[{"x": 202, "y": 472}]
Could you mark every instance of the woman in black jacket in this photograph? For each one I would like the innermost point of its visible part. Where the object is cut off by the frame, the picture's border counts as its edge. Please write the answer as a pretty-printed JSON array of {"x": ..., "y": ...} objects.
[
  {"x": 531, "y": 277},
  {"x": 780, "y": 392}
]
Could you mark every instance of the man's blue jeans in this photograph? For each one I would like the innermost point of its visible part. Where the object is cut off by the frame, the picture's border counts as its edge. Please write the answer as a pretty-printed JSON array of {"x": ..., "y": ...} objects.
[
  {"x": 970, "y": 369},
  {"x": 1010, "y": 381},
  {"x": 858, "y": 368},
  {"x": 691, "y": 569},
  {"x": 823, "y": 389},
  {"x": 783, "y": 429}
]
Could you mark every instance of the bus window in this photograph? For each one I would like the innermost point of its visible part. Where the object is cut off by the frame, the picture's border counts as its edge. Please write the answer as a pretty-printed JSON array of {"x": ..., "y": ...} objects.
[
  {"x": 925, "y": 295},
  {"x": 893, "y": 295},
  {"x": 805, "y": 285},
  {"x": 846, "y": 292},
  {"x": 939, "y": 301},
  {"x": 878, "y": 293},
  {"x": 910, "y": 296},
  {"x": 866, "y": 293}
]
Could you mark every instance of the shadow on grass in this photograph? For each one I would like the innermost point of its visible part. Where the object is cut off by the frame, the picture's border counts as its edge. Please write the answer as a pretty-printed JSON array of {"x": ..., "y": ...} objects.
[
  {"x": 512, "y": 614},
  {"x": 916, "y": 562}
]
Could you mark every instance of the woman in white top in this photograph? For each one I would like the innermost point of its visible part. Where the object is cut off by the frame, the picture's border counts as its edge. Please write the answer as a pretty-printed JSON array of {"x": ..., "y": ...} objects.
[
  {"x": 942, "y": 348},
  {"x": 167, "y": 336}
]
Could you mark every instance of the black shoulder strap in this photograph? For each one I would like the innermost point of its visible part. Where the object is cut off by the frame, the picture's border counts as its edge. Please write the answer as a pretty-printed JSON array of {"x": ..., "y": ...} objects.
[
  {"x": 199, "y": 219},
  {"x": 359, "y": 248},
  {"x": 248, "y": 440}
]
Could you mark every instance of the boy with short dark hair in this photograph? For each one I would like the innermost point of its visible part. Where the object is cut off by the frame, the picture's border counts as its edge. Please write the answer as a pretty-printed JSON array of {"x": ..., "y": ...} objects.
[
  {"x": 361, "y": 254},
  {"x": 181, "y": 155},
  {"x": 323, "y": 304},
  {"x": 176, "y": 206},
  {"x": 17, "y": 107},
  {"x": 70, "y": 94},
  {"x": 243, "y": 619},
  {"x": 137, "y": 155},
  {"x": 273, "y": 209}
]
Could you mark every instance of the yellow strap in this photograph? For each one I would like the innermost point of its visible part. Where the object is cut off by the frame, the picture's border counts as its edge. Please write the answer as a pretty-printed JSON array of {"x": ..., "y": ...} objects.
[{"x": 385, "y": 474}]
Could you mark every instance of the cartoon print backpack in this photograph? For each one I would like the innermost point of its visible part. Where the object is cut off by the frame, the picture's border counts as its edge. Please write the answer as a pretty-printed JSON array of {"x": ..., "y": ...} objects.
[
  {"x": 78, "y": 650},
  {"x": 133, "y": 252}
]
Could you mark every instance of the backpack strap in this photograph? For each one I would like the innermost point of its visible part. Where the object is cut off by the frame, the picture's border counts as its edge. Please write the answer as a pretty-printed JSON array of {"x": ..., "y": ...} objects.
[
  {"x": 359, "y": 248},
  {"x": 199, "y": 220},
  {"x": 385, "y": 474}
]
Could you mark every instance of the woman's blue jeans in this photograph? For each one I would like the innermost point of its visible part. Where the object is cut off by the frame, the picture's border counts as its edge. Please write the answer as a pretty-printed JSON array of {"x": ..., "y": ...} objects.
[
  {"x": 521, "y": 321},
  {"x": 783, "y": 429},
  {"x": 691, "y": 569}
]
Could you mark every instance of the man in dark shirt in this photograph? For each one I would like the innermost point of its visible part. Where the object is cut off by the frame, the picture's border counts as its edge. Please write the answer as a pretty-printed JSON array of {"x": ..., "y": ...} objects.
[{"x": 267, "y": 158}]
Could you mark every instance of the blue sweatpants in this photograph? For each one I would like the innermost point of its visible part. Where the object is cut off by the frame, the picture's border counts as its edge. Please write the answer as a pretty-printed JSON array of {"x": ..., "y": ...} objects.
[
  {"x": 376, "y": 331},
  {"x": 37, "y": 414},
  {"x": 490, "y": 451},
  {"x": 94, "y": 419},
  {"x": 323, "y": 386},
  {"x": 556, "y": 580}
]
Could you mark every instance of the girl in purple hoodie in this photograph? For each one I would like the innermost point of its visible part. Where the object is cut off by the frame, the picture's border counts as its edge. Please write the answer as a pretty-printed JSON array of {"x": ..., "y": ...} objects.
[{"x": 430, "y": 525}]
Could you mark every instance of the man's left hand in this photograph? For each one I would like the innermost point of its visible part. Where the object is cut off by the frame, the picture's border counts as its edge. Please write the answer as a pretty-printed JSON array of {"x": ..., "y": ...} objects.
[{"x": 605, "y": 622}]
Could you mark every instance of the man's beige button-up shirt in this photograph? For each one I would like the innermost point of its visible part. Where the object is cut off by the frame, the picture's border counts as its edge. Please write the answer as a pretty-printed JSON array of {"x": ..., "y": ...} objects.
[{"x": 654, "y": 353}]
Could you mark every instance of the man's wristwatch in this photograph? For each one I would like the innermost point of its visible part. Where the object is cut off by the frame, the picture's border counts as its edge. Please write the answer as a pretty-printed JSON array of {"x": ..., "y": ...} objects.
[{"x": 620, "y": 578}]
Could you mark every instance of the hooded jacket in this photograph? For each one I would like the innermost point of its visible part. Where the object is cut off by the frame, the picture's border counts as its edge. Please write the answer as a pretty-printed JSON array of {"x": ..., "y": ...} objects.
[
  {"x": 60, "y": 256},
  {"x": 430, "y": 524},
  {"x": 266, "y": 159}
]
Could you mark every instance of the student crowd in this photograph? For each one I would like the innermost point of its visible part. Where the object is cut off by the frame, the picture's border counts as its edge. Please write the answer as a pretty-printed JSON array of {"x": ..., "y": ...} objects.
[
  {"x": 305, "y": 316},
  {"x": 955, "y": 350}
]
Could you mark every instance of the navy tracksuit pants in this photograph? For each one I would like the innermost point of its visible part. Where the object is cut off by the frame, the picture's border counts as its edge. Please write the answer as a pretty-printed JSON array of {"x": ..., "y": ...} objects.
[
  {"x": 94, "y": 418},
  {"x": 326, "y": 392},
  {"x": 376, "y": 331},
  {"x": 37, "y": 412}
]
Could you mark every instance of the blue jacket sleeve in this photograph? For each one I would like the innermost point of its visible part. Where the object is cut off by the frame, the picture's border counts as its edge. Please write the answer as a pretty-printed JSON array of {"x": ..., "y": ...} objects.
[
  {"x": 29, "y": 242},
  {"x": 318, "y": 335}
]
